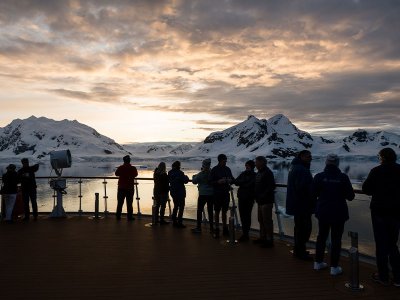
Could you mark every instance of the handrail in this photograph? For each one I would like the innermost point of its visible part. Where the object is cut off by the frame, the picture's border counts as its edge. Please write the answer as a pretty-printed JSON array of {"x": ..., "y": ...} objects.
[{"x": 279, "y": 185}]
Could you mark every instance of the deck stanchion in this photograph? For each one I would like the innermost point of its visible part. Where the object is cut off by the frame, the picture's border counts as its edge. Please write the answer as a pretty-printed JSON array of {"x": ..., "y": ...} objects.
[
  {"x": 138, "y": 199},
  {"x": 354, "y": 283},
  {"x": 278, "y": 218},
  {"x": 169, "y": 207},
  {"x": 105, "y": 198},
  {"x": 232, "y": 240},
  {"x": 54, "y": 198},
  {"x": 80, "y": 197},
  {"x": 234, "y": 207},
  {"x": 96, "y": 206},
  {"x": 154, "y": 214}
]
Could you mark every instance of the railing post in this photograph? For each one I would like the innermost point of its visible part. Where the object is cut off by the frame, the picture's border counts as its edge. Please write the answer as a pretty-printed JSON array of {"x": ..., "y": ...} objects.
[
  {"x": 138, "y": 199},
  {"x": 232, "y": 240},
  {"x": 96, "y": 205},
  {"x": 278, "y": 218},
  {"x": 80, "y": 197},
  {"x": 54, "y": 198},
  {"x": 354, "y": 283},
  {"x": 169, "y": 208},
  {"x": 234, "y": 207},
  {"x": 105, "y": 198}
]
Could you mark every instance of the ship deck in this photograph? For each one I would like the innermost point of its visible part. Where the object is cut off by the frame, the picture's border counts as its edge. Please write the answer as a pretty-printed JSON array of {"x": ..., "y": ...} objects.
[{"x": 80, "y": 258}]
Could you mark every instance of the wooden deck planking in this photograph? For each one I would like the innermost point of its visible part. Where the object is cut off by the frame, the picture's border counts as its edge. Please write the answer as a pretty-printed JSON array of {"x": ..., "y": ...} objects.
[{"x": 78, "y": 258}]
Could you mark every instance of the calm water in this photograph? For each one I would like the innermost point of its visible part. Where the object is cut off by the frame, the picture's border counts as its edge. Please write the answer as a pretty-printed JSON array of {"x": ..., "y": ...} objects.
[{"x": 356, "y": 169}]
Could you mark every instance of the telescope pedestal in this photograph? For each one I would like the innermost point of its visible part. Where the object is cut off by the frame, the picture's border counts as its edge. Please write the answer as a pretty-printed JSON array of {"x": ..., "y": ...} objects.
[{"x": 59, "y": 185}]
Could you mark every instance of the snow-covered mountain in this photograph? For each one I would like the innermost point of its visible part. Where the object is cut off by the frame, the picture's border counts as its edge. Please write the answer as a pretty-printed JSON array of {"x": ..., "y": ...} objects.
[
  {"x": 278, "y": 137},
  {"x": 159, "y": 150},
  {"x": 37, "y": 137}
]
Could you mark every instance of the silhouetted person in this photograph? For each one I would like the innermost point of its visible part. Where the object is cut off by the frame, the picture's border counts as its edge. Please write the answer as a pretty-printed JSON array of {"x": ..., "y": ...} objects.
[
  {"x": 126, "y": 187},
  {"x": 160, "y": 192},
  {"x": 221, "y": 178},
  {"x": 28, "y": 185},
  {"x": 177, "y": 180},
  {"x": 206, "y": 192},
  {"x": 331, "y": 188},
  {"x": 9, "y": 191},
  {"x": 265, "y": 198},
  {"x": 383, "y": 183},
  {"x": 246, "y": 182},
  {"x": 300, "y": 202}
]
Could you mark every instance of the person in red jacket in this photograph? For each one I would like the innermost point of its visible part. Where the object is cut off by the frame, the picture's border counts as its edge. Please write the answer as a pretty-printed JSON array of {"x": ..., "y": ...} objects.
[{"x": 126, "y": 187}]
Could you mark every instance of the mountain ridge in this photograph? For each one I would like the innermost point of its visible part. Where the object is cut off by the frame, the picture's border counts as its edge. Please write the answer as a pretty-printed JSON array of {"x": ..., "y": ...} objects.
[{"x": 276, "y": 137}]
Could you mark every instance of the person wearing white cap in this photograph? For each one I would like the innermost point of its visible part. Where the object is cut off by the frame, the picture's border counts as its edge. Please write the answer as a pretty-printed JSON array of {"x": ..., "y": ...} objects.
[{"x": 331, "y": 188}]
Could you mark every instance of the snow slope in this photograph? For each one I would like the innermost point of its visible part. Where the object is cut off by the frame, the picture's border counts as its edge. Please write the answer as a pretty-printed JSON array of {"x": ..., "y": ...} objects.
[{"x": 37, "y": 137}]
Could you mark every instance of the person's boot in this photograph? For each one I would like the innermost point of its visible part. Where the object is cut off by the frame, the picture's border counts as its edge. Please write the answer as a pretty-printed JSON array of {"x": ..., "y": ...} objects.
[
  {"x": 163, "y": 222},
  {"x": 216, "y": 233}
]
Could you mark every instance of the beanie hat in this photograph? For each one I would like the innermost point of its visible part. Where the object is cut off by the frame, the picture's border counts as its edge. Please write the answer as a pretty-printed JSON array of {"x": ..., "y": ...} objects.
[
  {"x": 11, "y": 167},
  {"x": 206, "y": 163},
  {"x": 127, "y": 159},
  {"x": 332, "y": 159},
  {"x": 222, "y": 157}
]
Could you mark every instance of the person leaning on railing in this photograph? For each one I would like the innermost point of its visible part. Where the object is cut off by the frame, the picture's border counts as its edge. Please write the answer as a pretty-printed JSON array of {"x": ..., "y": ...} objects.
[
  {"x": 246, "y": 182},
  {"x": 383, "y": 183},
  {"x": 160, "y": 192},
  {"x": 177, "y": 180},
  {"x": 206, "y": 192}
]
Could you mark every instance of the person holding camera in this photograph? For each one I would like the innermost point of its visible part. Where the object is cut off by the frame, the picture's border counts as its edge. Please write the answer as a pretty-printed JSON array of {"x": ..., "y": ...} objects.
[
  {"x": 28, "y": 185},
  {"x": 221, "y": 178}
]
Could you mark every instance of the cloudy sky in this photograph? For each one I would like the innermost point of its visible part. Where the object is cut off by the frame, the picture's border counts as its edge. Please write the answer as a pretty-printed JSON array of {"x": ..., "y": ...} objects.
[{"x": 172, "y": 70}]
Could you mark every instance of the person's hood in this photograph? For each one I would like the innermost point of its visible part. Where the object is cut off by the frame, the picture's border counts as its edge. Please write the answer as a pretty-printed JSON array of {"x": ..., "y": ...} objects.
[{"x": 298, "y": 162}]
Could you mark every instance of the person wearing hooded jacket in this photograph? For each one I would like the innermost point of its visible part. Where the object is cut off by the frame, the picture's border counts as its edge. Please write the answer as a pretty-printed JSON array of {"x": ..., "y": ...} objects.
[
  {"x": 383, "y": 183},
  {"x": 160, "y": 192},
  {"x": 331, "y": 188},
  {"x": 300, "y": 202},
  {"x": 246, "y": 182}
]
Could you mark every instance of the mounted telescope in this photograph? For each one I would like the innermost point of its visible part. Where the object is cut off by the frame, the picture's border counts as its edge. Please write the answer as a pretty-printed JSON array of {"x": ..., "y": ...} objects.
[{"x": 59, "y": 160}]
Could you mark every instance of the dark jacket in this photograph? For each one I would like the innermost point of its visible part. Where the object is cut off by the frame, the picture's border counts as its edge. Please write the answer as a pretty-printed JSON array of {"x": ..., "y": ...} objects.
[
  {"x": 161, "y": 183},
  {"x": 27, "y": 177},
  {"x": 383, "y": 183},
  {"x": 299, "y": 199},
  {"x": 246, "y": 182},
  {"x": 177, "y": 180},
  {"x": 331, "y": 188},
  {"x": 10, "y": 182},
  {"x": 265, "y": 186},
  {"x": 127, "y": 174},
  {"x": 217, "y": 173}
]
